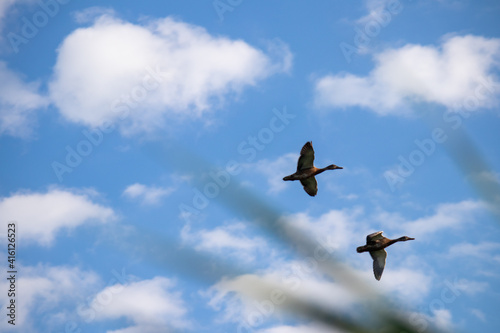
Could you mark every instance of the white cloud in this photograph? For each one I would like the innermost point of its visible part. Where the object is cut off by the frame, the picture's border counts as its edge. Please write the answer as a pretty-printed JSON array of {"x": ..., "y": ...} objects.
[
  {"x": 246, "y": 298},
  {"x": 407, "y": 285},
  {"x": 5, "y": 5},
  {"x": 375, "y": 9},
  {"x": 459, "y": 73},
  {"x": 149, "y": 195},
  {"x": 409, "y": 280},
  {"x": 275, "y": 170},
  {"x": 231, "y": 240},
  {"x": 251, "y": 301},
  {"x": 479, "y": 314},
  {"x": 40, "y": 216},
  {"x": 487, "y": 176},
  {"x": 18, "y": 102},
  {"x": 446, "y": 216},
  {"x": 311, "y": 328},
  {"x": 442, "y": 319},
  {"x": 406, "y": 279},
  {"x": 339, "y": 230},
  {"x": 152, "y": 305},
  {"x": 477, "y": 251},
  {"x": 51, "y": 290},
  {"x": 144, "y": 73},
  {"x": 248, "y": 301},
  {"x": 470, "y": 287},
  {"x": 90, "y": 14}
]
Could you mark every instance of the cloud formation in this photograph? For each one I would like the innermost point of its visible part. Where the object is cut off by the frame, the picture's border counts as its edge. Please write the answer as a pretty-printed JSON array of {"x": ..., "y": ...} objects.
[
  {"x": 483, "y": 250},
  {"x": 18, "y": 102},
  {"x": 375, "y": 9},
  {"x": 230, "y": 240},
  {"x": 250, "y": 299},
  {"x": 310, "y": 328},
  {"x": 246, "y": 299},
  {"x": 458, "y": 73},
  {"x": 447, "y": 216},
  {"x": 5, "y": 5},
  {"x": 42, "y": 215},
  {"x": 275, "y": 170},
  {"x": 151, "y": 305},
  {"x": 148, "y": 195},
  {"x": 55, "y": 289},
  {"x": 141, "y": 74}
]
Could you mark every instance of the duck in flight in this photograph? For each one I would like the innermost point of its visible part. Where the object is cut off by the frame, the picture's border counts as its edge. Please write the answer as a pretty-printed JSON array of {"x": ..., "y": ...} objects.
[
  {"x": 375, "y": 244},
  {"x": 306, "y": 170}
]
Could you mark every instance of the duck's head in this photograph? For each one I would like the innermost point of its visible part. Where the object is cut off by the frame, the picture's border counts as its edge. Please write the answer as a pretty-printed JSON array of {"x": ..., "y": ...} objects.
[
  {"x": 360, "y": 249},
  {"x": 406, "y": 238},
  {"x": 333, "y": 167},
  {"x": 288, "y": 178}
]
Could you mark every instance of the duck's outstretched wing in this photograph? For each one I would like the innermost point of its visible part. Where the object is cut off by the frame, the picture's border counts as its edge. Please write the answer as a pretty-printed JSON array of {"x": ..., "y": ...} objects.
[
  {"x": 373, "y": 238},
  {"x": 378, "y": 257},
  {"x": 310, "y": 185},
  {"x": 306, "y": 159}
]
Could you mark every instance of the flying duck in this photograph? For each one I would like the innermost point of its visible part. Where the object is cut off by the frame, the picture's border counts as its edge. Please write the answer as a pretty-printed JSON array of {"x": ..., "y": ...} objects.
[
  {"x": 375, "y": 244},
  {"x": 306, "y": 170}
]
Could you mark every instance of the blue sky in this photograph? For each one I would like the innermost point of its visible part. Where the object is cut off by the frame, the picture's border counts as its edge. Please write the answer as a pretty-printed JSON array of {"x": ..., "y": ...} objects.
[{"x": 144, "y": 146}]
